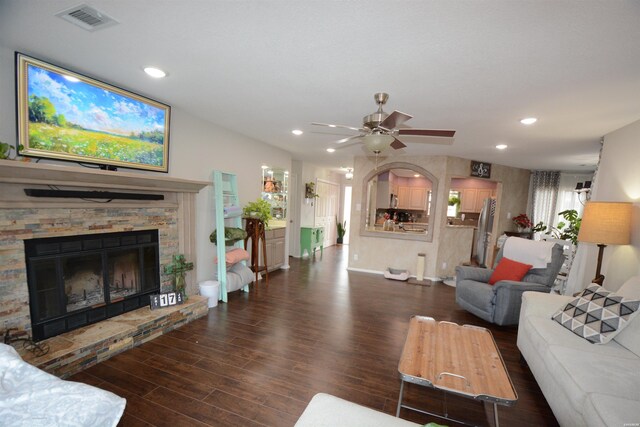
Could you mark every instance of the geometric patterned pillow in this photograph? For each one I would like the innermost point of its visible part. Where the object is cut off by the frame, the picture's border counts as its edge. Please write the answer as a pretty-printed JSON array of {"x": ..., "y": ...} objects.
[{"x": 597, "y": 315}]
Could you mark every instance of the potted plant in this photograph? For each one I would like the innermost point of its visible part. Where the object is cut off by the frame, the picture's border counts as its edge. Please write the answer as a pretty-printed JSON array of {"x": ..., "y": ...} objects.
[
  {"x": 259, "y": 209},
  {"x": 342, "y": 229},
  {"x": 568, "y": 230},
  {"x": 523, "y": 223}
]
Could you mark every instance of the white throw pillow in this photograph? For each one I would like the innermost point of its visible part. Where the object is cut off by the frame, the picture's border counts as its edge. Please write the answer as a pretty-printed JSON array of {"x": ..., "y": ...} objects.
[
  {"x": 629, "y": 337},
  {"x": 597, "y": 315}
]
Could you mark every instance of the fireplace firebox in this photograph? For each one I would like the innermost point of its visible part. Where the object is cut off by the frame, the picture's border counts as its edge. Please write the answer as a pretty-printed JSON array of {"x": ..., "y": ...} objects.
[{"x": 78, "y": 280}]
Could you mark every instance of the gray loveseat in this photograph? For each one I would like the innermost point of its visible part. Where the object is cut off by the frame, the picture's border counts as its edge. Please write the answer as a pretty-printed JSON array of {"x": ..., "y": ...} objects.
[{"x": 500, "y": 303}]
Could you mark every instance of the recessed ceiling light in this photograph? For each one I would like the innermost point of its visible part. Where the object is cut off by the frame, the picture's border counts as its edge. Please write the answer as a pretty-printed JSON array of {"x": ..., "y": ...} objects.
[
  {"x": 501, "y": 146},
  {"x": 297, "y": 132},
  {"x": 264, "y": 167},
  {"x": 330, "y": 150},
  {"x": 528, "y": 121},
  {"x": 71, "y": 78},
  {"x": 155, "y": 72},
  {"x": 417, "y": 175}
]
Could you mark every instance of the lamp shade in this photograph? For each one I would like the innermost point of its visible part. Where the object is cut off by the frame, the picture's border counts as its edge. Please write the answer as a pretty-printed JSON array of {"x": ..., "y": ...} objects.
[{"x": 607, "y": 223}]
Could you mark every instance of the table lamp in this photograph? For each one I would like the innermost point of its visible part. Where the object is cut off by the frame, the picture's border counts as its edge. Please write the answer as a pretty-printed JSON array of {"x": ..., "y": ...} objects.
[{"x": 605, "y": 223}]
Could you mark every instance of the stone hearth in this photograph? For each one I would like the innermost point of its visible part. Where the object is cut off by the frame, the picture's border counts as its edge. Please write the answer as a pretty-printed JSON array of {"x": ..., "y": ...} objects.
[{"x": 74, "y": 351}]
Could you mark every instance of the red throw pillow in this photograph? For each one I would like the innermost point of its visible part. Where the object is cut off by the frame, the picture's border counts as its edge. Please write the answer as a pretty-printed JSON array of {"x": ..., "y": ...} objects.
[{"x": 509, "y": 269}]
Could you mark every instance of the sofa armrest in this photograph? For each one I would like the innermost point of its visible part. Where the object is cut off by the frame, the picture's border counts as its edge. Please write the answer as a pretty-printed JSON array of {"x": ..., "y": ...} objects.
[
  {"x": 508, "y": 300},
  {"x": 520, "y": 287},
  {"x": 473, "y": 273},
  {"x": 537, "y": 304}
]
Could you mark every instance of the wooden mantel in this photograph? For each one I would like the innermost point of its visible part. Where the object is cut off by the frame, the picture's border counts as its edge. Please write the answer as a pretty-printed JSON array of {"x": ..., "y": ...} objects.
[
  {"x": 18, "y": 172},
  {"x": 15, "y": 176}
]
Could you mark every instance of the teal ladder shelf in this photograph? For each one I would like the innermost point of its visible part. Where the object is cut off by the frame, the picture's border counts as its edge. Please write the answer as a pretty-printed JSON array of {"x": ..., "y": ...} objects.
[{"x": 227, "y": 213}]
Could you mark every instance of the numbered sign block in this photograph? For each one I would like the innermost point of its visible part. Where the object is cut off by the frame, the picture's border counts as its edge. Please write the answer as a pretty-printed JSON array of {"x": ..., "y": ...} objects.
[{"x": 165, "y": 300}]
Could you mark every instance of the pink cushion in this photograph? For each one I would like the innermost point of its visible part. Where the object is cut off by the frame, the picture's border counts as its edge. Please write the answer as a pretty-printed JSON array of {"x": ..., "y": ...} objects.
[
  {"x": 234, "y": 256},
  {"x": 509, "y": 269}
]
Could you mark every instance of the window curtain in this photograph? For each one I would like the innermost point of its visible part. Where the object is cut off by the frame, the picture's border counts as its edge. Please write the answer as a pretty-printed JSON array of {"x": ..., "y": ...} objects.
[
  {"x": 568, "y": 198},
  {"x": 544, "y": 196}
]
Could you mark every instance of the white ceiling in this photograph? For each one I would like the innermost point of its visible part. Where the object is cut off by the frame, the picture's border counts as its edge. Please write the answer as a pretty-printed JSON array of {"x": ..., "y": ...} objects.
[{"x": 262, "y": 68}]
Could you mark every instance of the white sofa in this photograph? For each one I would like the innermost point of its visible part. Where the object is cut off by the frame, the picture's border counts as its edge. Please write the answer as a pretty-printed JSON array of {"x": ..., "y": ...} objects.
[
  {"x": 326, "y": 410},
  {"x": 585, "y": 384}
]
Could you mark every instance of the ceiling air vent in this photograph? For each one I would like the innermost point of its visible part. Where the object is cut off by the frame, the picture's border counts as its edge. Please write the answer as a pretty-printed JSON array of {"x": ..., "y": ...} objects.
[{"x": 86, "y": 17}]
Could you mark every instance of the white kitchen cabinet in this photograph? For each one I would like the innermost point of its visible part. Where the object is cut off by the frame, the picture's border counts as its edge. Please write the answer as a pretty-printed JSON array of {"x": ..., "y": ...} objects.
[
  {"x": 482, "y": 194},
  {"x": 418, "y": 198},
  {"x": 468, "y": 198},
  {"x": 412, "y": 198},
  {"x": 274, "y": 243},
  {"x": 404, "y": 197}
]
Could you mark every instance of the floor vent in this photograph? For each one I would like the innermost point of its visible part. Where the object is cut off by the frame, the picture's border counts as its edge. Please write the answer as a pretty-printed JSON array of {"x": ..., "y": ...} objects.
[{"x": 87, "y": 17}]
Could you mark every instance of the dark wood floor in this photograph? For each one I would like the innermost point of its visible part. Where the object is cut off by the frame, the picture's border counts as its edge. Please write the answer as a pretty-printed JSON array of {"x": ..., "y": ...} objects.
[{"x": 260, "y": 358}]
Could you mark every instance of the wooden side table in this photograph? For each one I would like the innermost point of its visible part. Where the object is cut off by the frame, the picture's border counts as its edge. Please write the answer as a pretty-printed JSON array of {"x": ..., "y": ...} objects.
[{"x": 255, "y": 232}]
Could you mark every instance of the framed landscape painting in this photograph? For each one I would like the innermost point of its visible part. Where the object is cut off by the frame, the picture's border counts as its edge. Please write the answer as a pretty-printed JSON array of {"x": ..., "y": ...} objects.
[{"x": 67, "y": 116}]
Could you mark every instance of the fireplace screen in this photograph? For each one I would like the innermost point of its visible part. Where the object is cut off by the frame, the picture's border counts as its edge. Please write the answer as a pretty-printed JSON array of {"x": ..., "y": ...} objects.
[
  {"x": 78, "y": 280},
  {"x": 83, "y": 284}
]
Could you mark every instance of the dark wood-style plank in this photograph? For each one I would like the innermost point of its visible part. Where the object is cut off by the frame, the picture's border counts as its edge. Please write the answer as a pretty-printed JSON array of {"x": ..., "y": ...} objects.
[{"x": 259, "y": 359}]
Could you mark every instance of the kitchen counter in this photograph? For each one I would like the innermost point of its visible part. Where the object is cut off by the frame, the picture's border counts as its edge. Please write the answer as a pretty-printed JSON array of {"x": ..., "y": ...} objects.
[{"x": 277, "y": 223}]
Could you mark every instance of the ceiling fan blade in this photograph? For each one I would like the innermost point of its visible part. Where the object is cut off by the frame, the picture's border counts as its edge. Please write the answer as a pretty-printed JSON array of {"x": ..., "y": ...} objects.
[
  {"x": 348, "y": 145},
  {"x": 338, "y": 126},
  {"x": 433, "y": 140},
  {"x": 397, "y": 144},
  {"x": 427, "y": 132},
  {"x": 343, "y": 140},
  {"x": 394, "y": 120}
]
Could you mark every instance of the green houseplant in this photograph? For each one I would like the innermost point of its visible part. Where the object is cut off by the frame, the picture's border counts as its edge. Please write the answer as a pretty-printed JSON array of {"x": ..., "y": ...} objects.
[
  {"x": 342, "y": 229},
  {"x": 568, "y": 230},
  {"x": 259, "y": 209}
]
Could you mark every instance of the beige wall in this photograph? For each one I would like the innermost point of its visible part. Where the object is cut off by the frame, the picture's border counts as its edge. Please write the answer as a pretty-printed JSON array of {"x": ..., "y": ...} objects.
[
  {"x": 617, "y": 180},
  {"x": 376, "y": 254},
  {"x": 197, "y": 147},
  {"x": 512, "y": 192}
]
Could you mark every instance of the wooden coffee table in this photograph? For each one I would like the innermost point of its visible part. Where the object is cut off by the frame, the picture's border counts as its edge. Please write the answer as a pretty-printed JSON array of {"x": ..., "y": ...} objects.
[{"x": 462, "y": 360}]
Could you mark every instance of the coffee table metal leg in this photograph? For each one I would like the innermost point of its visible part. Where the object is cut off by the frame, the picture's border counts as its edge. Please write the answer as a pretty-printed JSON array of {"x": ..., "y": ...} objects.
[
  {"x": 400, "y": 398},
  {"x": 495, "y": 414}
]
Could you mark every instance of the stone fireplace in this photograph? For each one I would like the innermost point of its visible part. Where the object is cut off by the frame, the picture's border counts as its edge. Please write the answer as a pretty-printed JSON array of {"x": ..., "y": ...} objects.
[
  {"x": 97, "y": 283},
  {"x": 82, "y": 279}
]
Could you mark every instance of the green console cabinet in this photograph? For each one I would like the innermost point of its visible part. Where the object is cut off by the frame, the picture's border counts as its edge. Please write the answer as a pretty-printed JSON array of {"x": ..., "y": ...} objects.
[{"x": 311, "y": 239}]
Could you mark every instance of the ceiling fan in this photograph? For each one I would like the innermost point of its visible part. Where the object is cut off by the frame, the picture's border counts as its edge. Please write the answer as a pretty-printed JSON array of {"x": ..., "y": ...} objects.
[{"x": 380, "y": 130}]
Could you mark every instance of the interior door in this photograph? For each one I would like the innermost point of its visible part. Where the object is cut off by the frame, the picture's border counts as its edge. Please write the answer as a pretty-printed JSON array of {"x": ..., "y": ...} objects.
[{"x": 327, "y": 210}]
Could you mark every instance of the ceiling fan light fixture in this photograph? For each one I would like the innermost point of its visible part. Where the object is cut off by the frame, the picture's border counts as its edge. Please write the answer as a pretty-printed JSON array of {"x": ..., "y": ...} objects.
[
  {"x": 349, "y": 174},
  {"x": 377, "y": 142}
]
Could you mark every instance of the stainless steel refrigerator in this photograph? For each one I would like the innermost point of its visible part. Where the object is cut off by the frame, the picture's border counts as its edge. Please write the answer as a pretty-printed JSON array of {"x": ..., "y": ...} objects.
[{"x": 485, "y": 225}]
